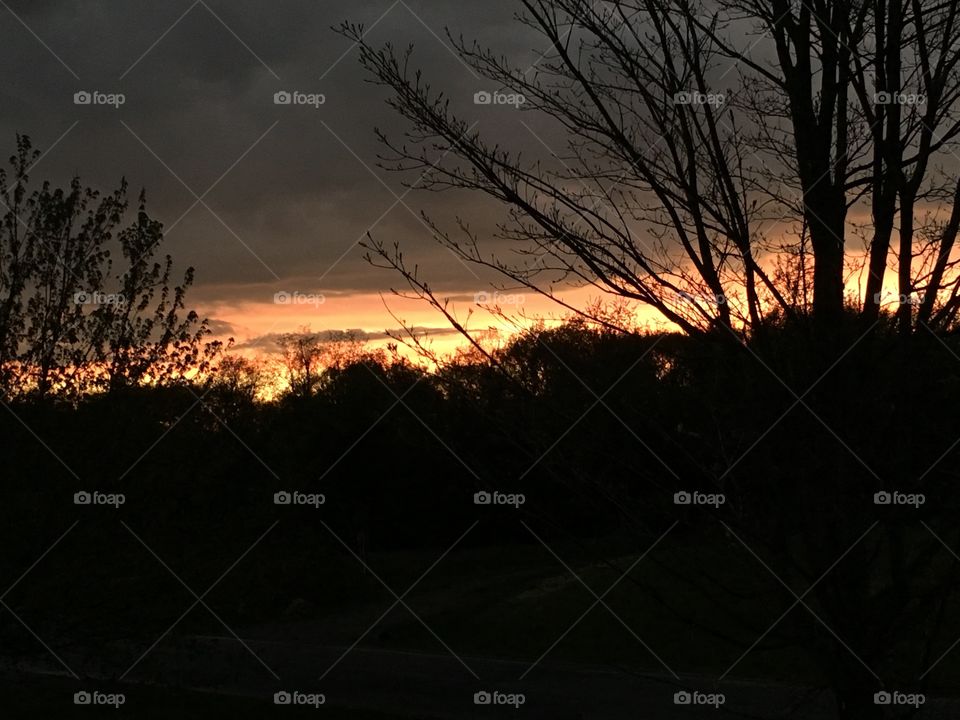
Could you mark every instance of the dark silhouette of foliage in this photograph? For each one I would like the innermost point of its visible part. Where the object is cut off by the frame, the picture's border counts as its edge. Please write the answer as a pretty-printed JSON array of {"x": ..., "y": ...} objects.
[
  {"x": 599, "y": 429},
  {"x": 84, "y": 306}
]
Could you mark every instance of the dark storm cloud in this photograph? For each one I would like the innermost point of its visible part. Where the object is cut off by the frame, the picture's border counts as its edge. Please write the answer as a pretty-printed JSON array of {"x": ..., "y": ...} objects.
[{"x": 286, "y": 195}]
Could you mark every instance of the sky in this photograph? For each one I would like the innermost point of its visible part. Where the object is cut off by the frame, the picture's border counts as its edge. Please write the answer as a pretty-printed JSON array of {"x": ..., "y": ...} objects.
[{"x": 265, "y": 200}]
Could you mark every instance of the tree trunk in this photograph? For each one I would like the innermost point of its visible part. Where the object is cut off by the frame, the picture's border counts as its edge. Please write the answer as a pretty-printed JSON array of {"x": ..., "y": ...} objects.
[
  {"x": 904, "y": 283},
  {"x": 879, "y": 249},
  {"x": 826, "y": 237}
]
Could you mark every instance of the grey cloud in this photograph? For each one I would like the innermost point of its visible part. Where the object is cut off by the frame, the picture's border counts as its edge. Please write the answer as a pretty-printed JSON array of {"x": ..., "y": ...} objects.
[
  {"x": 220, "y": 327},
  {"x": 270, "y": 343},
  {"x": 295, "y": 203}
]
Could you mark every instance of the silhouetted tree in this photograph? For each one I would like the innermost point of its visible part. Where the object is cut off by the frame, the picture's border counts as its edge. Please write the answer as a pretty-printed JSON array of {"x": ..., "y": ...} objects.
[
  {"x": 72, "y": 318},
  {"x": 308, "y": 356},
  {"x": 692, "y": 127}
]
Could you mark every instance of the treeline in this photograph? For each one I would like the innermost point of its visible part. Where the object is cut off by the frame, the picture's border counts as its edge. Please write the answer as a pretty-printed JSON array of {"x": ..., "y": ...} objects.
[{"x": 597, "y": 429}]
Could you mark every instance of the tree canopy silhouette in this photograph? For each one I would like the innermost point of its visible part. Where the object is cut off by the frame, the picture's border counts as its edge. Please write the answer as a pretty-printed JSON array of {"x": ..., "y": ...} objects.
[
  {"x": 694, "y": 132},
  {"x": 75, "y": 317}
]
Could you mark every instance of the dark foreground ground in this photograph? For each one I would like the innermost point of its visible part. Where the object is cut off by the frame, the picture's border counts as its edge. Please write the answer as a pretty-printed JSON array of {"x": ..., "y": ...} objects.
[
  {"x": 408, "y": 590},
  {"x": 512, "y": 619},
  {"x": 385, "y": 685},
  {"x": 52, "y": 697}
]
